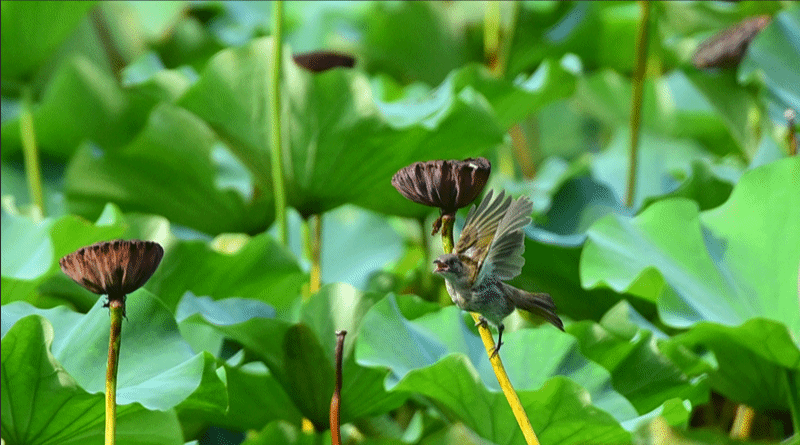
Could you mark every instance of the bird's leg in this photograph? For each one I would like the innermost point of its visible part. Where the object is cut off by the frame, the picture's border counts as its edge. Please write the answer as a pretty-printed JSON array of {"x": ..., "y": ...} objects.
[
  {"x": 500, "y": 328},
  {"x": 482, "y": 321}
]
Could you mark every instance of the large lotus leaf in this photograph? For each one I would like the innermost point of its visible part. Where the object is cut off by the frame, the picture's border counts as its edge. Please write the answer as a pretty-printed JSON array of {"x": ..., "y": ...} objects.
[
  {"x": 260, "y": 269},
  {"x": 148, "y": 77},
  {"x": 713, "y": 262},
  {"x": 340, "y": 146},
  {"x": 435, "y": 49},
  {"x": 527, "y": 94},
  {"x": 32, "y": 32},
  {"x": 33, "y": 247},
  {"x": 203, "y": 336},
  {"x": 531, "y": 356},
  {"x": 155, "y": 18},
  {"x": 301, "y": 356},
  {"x": 82, "y": 101},
  {"x": 43, "y": 404},
  {"x": 730, "y": 265},
  {"x": 255, "y": 396},
  {"x": 702, "y": 186},
  {"x": 356, "y": 244},
  {"x": 176, "y": 168},
  {"x": 732, "y": 104},
  {"x": 553, "y": 247},
  {"x": 156, "y": 377},
  {"x": 638, "y": 369},
  {"x": 662, "y": 164},
  {"x": 756, "y": 363},
  {"x": 773, "y": 57},
  {"x": 601, "y": 34},
  {"x": 674, "y": 106},
  {"x": 419, "y": 355}
]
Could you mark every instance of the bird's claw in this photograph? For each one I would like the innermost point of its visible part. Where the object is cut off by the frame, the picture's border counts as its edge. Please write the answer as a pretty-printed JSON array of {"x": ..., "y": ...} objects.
[
  {"x": 496, "y": 349},
  {"x": 482, "y": 322}
]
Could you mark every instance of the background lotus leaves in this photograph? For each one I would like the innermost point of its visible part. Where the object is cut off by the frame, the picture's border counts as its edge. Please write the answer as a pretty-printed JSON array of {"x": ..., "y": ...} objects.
[
  {"x": 258, "y": 269},
  {"x": 81, "y": 348},
  {"x": 729, "y": 248},
  {"x": 171, "y": 168},
  {"x": 79, "y": 417},
  {"x": 420, "y": 358},
  {"x": 152, "y": 121},
  {"x": 26, "y": 46},
  {"x": 299, "y": 357}
]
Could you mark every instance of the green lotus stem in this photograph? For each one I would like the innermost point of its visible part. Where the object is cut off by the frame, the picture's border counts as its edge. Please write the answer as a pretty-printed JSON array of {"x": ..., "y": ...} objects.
[
  {"x": 275, "y": 134},
  {"x": 497, "y": 39},
  {"x": 30, "y": 152},
  {"x": 491, "y": 36},
  {"x": 447, "y": 233},
  {"x": 315, "y": 253},
  {"x": 636, "y": 100},
  {"x": 497, "y": 363},
  {"x": 116, "y": 308},
  {"x": 336, "y": 400},
  {"x": 743, "y": 422}
]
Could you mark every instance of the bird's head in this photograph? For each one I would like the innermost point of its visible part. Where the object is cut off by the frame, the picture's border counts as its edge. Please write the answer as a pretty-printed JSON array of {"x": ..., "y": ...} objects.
[{"x": 450, "y": 267}]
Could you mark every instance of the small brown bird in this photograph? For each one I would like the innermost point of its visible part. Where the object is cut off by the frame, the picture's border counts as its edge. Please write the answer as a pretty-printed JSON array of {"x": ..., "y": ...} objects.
[{"x": 488, "y": 252}]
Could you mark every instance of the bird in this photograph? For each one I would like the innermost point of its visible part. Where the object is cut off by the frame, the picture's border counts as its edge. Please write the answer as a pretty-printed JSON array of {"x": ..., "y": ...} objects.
[{"x": 489, "y": 252}]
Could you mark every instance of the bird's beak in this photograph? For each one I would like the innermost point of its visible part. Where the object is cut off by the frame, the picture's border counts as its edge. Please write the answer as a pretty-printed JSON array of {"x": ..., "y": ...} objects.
[{"x": 441, "y": 266}]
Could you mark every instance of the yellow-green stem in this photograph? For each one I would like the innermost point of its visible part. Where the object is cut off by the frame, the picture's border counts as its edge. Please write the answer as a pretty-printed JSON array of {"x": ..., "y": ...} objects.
[
  {"x": 491, "y": 36},
  {"x": 636, "y": 100},
  {"x": 315, "y": 250},
  {"x": 275, "y": 111},
  {"x": 743, "y": 422},
  {"x": 523, "y": 154},
  {"x": 497, "y": 363},
  {"x": 30, "y": 153},
  {"x": 116, "y": 309},
  {"x": 447, "y": 233}
]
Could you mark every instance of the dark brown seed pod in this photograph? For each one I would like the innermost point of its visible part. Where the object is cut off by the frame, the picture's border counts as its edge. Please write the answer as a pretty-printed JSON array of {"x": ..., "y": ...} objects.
[
  {"x": 318, "y": 61},
  {"x": 726, "y": 49},
  {"x": 113, "y": 268},
  {"x": 448, "y": 185}
]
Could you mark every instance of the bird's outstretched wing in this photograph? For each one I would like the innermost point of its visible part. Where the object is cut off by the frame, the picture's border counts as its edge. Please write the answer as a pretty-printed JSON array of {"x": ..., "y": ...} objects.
[
  {"x": 504, "y": 260},
  {"x": 482, "y": 222}
]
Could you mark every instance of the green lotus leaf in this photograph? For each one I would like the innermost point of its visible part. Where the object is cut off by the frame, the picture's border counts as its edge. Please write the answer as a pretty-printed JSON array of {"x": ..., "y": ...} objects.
[
  {"x": 82, "y": 101},
  {"x": 341, "y": 146},
  {"x": 260, "y": 269},
  {"x": 42, "y": 402},
  {"x": 25, "y": 46},
  {"x": 631, "y": 354},
  {"x": 301, "y": 356},
  {"x": 708, "y": 265},
  {"x": 770, "y": 57},
  {"x": 145, "y": 372},
  {"x": 175, "y": 168},
  {"x": 440, "y": 356}
]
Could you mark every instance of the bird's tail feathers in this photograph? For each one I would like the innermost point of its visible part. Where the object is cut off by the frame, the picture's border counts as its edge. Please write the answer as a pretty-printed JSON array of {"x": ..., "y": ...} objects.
[{"x": 536, "y": 303}]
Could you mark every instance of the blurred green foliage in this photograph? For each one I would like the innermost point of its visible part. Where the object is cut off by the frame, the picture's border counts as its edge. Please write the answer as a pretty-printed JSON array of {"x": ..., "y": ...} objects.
[{"x": 151, "y": 121}]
